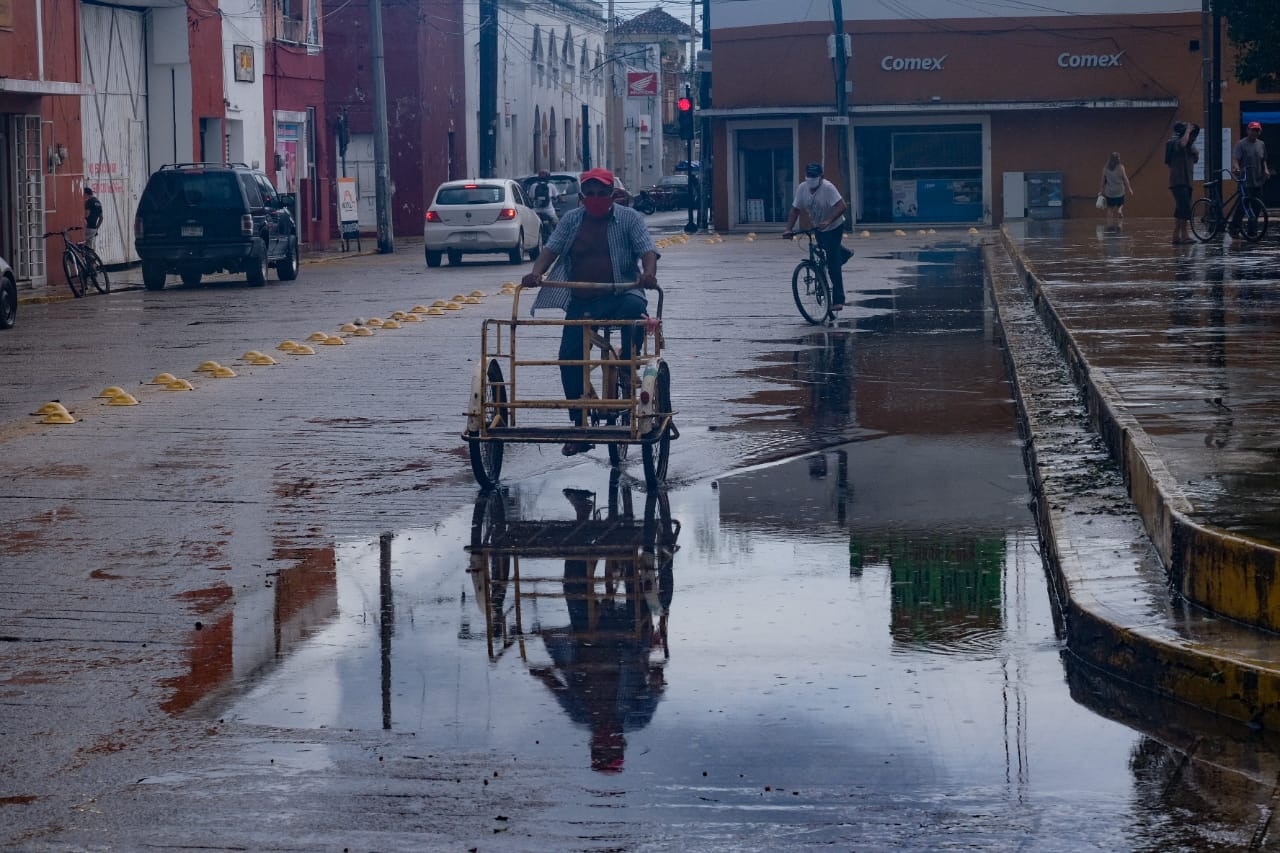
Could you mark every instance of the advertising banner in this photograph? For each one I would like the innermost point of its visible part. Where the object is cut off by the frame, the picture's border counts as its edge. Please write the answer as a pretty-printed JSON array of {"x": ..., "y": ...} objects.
[
  {"x": 348, "y": 208},
  {"x": 642, "y": 84}
]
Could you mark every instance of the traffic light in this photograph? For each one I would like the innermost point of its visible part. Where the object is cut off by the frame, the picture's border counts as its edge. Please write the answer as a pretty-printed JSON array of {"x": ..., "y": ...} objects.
[{"x": 684, "y": 109}]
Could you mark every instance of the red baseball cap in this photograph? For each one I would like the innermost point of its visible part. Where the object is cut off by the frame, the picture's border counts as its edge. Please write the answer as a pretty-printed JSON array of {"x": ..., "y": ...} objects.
[
  {"x": 1255, "y": 125},
  {"x": 604, "y": 176}
]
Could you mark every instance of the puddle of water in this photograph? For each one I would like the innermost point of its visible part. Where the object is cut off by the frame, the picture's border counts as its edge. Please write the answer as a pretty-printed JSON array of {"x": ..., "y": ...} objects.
[{"x": 858, "y": 638}]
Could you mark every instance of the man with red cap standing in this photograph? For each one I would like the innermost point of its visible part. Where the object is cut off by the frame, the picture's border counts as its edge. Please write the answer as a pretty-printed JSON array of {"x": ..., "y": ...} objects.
[
  {"x": 598, "y": 241},
  {"x": 1249, "y": 164}
]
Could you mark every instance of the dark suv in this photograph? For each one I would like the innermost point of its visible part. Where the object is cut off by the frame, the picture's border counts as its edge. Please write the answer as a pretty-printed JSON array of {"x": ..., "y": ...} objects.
[{"x": 199, "y": 218}]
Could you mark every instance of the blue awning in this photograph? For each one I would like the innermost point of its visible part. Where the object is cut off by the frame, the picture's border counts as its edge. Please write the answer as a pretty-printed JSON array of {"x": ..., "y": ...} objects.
[{"x": 1260, "y": 116}]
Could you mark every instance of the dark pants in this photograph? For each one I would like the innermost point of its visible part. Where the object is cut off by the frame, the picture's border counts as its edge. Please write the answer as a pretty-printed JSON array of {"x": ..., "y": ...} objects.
[
  {"x": 620, "y": 306},
  {"x": 830, "y": 243},
  {"x": 1246, "y": 191},
  {"x": 1181, "y": 201}
]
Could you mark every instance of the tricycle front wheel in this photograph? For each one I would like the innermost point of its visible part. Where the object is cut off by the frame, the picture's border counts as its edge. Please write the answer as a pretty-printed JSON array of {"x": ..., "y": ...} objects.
[
  {"x": 486, "y": 454},
  {"x": 655, "y": 453}
]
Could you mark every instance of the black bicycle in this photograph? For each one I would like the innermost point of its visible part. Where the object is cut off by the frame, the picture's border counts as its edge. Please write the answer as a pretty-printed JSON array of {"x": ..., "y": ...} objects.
[
  {"x": 1211, "y": 215},
  {"x": 81, "y": 265},
  {"x": 809, "y": 284}
]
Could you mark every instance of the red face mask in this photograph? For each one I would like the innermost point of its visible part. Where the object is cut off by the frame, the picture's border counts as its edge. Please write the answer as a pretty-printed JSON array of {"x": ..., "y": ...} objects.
[{"x": 597, "y": 206}]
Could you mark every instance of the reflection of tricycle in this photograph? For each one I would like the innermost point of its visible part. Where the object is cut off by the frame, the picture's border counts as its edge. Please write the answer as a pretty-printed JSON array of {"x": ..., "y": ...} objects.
[
  {"x": 617, "y": 584},
  {"x": 605, "y": 550},
  {"x": 627, "y": 401}
]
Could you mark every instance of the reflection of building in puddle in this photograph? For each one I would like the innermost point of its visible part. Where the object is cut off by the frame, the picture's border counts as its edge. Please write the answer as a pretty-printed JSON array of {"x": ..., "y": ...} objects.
[
  {"x": 1217, "y": 775},
  {"x": 934, "y": 513},
  {"x": 240, "y": 633},
  {"x": 945, "y": 591},
  {"x": 614, "y": 574}
]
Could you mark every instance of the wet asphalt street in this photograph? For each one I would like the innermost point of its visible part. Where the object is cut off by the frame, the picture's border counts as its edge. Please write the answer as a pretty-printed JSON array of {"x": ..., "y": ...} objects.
[{"x": 274, "y": 613}]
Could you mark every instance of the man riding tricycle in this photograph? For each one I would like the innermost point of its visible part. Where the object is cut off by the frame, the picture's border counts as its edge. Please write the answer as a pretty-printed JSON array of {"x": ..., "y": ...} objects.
[{"x": 599, "y": 261}]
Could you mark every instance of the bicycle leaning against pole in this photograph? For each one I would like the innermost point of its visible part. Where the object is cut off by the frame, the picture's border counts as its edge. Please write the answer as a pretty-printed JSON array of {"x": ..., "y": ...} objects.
[
  {"x": 81, "y": 265},
  {"x": 809, "y": 283},
  {"x": 1211, "y": 214}
]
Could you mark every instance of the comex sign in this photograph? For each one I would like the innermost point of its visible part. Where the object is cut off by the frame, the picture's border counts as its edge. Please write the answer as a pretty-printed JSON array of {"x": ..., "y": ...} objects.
[
  {"x": 913, "y": 63},
  {"x": 1089, "y": 60},
  {"x": 1066, "y": 59}
]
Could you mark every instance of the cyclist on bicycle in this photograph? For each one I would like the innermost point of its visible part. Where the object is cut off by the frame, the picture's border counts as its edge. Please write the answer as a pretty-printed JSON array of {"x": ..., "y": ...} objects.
[
  {"x": 825, "y": 207},
  {"x": 597, "y": 242},
  {"x": 544, "y": 200},
  {"x": 1249, "y": 165}
]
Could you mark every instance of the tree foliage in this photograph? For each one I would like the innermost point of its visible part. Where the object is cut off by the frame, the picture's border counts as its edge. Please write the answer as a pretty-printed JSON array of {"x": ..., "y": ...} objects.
[{"x": 1253, "y": 26}]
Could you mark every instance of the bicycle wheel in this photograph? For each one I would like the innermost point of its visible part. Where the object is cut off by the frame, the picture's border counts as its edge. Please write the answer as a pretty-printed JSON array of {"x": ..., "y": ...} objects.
[
  {"x": 97, "y": 273},
  {"x": 74, "y": 271},
  {"x": 1253, "y": 226},
  {"x": 811, "y": 292},
  {"x": 1206, "y": 219},
  {"x": 656, "y": 453},
  {"x": 486, "y": 456},
  {"x": 621, "y": 391}
]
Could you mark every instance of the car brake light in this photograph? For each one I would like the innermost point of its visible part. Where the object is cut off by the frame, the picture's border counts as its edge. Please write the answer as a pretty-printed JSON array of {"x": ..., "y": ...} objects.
[
  {"x": 507, "y": 213},
  {"x": 246, "y": 225},
  {"x": 432, "y": 216}
]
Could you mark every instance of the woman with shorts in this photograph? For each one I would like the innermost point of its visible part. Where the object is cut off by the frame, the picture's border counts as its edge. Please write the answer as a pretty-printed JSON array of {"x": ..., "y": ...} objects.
[{"x": 1115, "y": 186}]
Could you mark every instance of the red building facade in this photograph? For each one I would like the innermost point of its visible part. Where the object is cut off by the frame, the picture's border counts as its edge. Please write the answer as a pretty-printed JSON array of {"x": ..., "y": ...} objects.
[
  {"x": 40, "y": 137},
  {"x": 296, "y": 118},
  {"x": 426, "y": 103}
]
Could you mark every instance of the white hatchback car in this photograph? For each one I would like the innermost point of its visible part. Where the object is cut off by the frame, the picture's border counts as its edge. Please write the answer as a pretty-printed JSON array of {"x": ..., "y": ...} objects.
[{"x": 483, "y": 216}]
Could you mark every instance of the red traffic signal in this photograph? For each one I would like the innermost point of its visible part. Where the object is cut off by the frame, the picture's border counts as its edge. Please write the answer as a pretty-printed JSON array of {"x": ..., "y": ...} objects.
[{"x": 685, "y": 117}]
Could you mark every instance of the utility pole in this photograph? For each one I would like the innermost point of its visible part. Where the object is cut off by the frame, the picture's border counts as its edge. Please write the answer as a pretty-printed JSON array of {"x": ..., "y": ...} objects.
[
  {"x": 1215, "y": 100},
  {"x": 586, "y": 138},
  {"x": 1211, "y": 74},
  {"x": 841, "y": 61},
  {"x": 704, "y": 103},
  {"x": 612, "y": 109},
  {"x": 487, "y": 128},
  {"x": 381, "y": 145}
]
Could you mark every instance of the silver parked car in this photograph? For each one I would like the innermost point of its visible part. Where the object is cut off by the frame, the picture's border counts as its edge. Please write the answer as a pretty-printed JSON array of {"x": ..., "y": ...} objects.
[
  {"x": 8, "y": 296},
  {"x": 565, "y": 183},
  {"x": 489, "y": 215}
]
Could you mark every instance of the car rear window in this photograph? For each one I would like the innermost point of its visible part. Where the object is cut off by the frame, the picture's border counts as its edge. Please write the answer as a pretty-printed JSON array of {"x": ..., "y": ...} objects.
[
  {"x": 205, "y": 190},
  {"x": 477, "y": 194}
]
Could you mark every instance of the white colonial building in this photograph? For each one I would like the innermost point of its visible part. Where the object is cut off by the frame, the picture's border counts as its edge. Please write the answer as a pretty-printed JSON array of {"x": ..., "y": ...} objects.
[{"x": 551, "y": 63}]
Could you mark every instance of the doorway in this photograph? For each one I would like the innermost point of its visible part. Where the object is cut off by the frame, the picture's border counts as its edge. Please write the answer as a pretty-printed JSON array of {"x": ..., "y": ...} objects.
[
  {"x": 926, "y": 172},
  {"x": 765, "y": 175}
]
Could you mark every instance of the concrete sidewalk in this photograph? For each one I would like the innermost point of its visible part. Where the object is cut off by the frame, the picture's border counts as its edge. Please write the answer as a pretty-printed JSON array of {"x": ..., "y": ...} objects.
[
  {"x": 129, "y": 277},
  {"x": 1174, "y": 349}
]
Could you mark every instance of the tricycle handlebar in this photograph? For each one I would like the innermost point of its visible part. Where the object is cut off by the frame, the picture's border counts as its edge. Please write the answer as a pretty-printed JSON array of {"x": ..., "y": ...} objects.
[{"x": 605, "y": 287}]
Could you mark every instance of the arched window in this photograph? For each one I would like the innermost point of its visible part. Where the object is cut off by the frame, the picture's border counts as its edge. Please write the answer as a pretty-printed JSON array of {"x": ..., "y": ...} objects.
[
  {"x": 569, "y": 63},
  {"x": 553, "y": 60},
  {"x": 535, "y": 54},
  {"x": 538, "y": 155},
  {"x": 551, "y": 142}
]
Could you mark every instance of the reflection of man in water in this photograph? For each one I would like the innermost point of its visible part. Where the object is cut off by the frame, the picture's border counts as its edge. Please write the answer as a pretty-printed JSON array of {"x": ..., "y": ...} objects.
[{"x": 602, "y": 675}]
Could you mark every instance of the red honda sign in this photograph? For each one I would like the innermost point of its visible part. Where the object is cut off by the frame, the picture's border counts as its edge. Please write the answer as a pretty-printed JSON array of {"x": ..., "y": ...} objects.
[{"x": 642, "y": 84}]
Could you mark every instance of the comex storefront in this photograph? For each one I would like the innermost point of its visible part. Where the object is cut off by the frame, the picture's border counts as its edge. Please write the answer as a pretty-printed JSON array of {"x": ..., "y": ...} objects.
[{"x": 959, "y": 121}]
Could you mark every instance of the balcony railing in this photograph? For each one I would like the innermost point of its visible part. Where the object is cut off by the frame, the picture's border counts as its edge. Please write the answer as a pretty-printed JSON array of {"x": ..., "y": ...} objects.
[{"x": 297, "y": 31}]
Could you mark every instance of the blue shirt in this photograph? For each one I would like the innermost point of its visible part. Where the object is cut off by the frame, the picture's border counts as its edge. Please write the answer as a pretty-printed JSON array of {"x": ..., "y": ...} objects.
[{"x": 629, "y": 240}]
